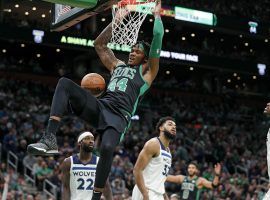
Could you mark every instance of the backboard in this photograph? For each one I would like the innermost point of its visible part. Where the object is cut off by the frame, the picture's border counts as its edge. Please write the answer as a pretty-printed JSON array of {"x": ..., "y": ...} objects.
[{"x": 65, "y": 16}]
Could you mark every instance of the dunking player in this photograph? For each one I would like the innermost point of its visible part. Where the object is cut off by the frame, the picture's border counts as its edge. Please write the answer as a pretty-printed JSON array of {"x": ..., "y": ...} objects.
[
  {"x": 191, "y": 185},
  {"x": 154, "y": 162},
  {"x": 111, "y": 114},
  {"x": 79, "y": 172}
]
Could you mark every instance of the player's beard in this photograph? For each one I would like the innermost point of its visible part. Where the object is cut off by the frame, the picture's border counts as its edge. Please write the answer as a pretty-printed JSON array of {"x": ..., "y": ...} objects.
[
  {"x": 87, "y": 148},
  {"x": 168, "y": 135},
  {"x": 192, "y": 174}
]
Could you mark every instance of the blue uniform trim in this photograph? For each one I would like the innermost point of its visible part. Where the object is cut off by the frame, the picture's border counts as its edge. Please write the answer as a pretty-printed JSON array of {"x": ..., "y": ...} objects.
[
  {"x": 76, "y": 160},
  {"x": 83, "y": 168},
  {"x": 162, "y": 146},
  {"x": 167, "y": 155},
  {"x": 164, "y": 149},
  {"x": 93, "y": 160}
]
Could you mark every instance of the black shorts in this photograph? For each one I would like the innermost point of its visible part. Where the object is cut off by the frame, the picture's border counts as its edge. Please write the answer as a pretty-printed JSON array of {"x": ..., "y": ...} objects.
[{"x": 101, "y": 116}]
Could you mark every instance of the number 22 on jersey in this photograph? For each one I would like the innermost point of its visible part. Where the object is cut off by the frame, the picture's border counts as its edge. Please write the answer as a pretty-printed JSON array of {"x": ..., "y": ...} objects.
[{"x": 85, "y": 185}]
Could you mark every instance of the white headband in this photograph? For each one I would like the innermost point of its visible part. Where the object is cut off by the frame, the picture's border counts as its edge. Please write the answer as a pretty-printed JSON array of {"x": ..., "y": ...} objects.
[{"x": 83, "y": 135}]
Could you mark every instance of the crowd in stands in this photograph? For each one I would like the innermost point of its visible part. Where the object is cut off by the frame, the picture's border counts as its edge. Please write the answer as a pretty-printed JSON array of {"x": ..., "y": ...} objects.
[
  {"x": 179, "y": 78},
  {"x": 209, "y": 130}
]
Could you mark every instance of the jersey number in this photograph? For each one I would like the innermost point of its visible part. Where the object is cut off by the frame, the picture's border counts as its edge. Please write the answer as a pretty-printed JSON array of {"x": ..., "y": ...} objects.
[
  {"x": 185, "y": 194},
  {"x": 82, "y": 181},
  {"x": 166, "y": 170},
  {"x": 121, "y": 84}
]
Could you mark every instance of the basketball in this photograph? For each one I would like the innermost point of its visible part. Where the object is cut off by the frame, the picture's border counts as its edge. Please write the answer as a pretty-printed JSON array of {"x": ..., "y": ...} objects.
[{"x": 93, "y": 82}]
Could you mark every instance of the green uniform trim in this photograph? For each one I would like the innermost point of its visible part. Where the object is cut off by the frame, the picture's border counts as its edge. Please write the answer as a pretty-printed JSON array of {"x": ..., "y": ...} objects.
[
  {"x": 123, "y": 134},
  {"x": 156, "y": 44},
  {"x": 198, "y": 194},
  {"x": 143, "y": 89}
]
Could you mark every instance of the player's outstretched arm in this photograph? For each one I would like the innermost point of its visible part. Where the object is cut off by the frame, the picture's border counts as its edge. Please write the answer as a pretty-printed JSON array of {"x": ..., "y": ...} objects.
[
  {"x": 107, "y": 191},
  {"x": 175, "y": 179},
  {"x": 156, "y": 44},
  {"x": 65, "y": 179},
  {"x": 105, "y": 54},
  {"x": 149, "y": 150},
  {"x": 211, "y": 185}
]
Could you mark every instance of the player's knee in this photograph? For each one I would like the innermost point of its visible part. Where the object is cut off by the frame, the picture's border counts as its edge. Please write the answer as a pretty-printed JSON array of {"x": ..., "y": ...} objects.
[
  {"x": 107, "y": 149},
  {"x": 65, "y": 82}
]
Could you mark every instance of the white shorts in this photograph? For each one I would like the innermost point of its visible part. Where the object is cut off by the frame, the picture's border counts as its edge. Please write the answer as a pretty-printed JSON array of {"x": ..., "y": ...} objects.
[{"x": 137, "y": 195}]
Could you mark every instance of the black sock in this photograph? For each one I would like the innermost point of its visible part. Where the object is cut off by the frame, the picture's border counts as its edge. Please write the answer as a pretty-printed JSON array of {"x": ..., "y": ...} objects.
[
  {"x": 52, "y": 126},
  {"x": 96, "y": 195}
]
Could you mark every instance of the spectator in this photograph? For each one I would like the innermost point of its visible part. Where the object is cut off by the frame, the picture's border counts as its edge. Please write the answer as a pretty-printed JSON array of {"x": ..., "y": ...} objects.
[
  {"x": 10, "y": 140},
  {"x": 43, "y": 173},
  {"x": 118, "y": 186}
]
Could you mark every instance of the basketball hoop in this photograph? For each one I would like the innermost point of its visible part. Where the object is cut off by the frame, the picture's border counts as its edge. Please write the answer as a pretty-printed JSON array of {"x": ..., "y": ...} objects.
[{"x": 131, "y": 14}]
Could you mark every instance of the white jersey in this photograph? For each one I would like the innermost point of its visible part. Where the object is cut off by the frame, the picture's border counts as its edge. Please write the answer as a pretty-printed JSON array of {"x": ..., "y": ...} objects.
[
  {"x": 137, "y": 195},
  {"x": 267, "y": 195},
  {"x": 157, "y": 170},
  {"x": 82, "y": 177}
]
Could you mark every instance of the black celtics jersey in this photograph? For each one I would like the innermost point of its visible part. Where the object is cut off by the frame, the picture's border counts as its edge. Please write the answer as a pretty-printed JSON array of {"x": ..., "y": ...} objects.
[
  {"x": 189, "y": 189},
  {"x": 125, "y": 89}
]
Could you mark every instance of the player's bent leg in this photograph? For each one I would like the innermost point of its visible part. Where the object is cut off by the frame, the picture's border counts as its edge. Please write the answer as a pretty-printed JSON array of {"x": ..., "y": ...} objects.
[
  {"x": 110, "y": 140},
  {"x": 68, "y": 97}
]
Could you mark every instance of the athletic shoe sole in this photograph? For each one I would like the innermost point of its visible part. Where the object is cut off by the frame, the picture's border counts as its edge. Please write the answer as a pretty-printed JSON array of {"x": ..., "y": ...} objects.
[{"x": 35, "y": 151}]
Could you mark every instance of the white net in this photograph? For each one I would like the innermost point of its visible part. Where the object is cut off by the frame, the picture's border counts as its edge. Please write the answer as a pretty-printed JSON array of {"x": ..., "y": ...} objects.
[{"x": 128, "y": 17}]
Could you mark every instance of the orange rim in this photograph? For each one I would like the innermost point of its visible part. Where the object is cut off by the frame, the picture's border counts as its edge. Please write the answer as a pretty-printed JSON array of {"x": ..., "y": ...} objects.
[{"x": 132, "y": 2}]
